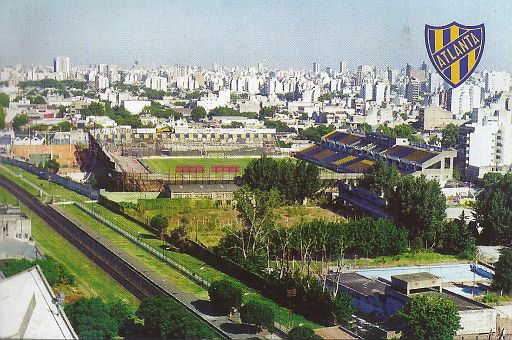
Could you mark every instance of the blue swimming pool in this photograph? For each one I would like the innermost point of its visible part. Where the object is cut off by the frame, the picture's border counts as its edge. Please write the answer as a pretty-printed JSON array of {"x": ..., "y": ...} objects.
[{"x": 449, "y": 273}]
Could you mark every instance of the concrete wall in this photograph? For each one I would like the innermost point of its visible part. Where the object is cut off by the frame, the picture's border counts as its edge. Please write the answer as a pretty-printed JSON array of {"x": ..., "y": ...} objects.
[{"x": 479, "y": 321}]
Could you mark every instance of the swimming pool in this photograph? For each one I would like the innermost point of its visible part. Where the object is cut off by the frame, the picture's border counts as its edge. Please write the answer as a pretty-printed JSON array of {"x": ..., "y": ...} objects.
[{"x": 449, "y": 273}]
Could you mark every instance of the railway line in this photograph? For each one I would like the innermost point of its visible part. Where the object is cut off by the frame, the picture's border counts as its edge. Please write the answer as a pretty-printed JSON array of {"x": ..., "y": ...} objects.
[{"x": 110, "y": 259}]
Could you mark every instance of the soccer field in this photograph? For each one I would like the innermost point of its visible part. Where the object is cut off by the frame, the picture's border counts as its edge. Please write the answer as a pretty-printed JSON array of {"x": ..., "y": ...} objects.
[{"x": 168, "y": 165}]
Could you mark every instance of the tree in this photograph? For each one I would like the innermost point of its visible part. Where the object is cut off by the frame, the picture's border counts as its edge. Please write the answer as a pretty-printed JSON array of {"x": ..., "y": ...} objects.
[
  {"x": 224, "y": 295},
  {"x": 429, "y": 317},
  {"x": 302, "y": 333},
  {"x": 198, "y": 113},
  {"x": 93, "y": 319},
  {"x": 314, "y": 133},
  {"x": 294, "y": 180},
  {"x": 4, "y": 100},
  {"x": 167, "y": 319},
  {"x": 277, "y": 124},
  {"x": 256, "y": 209},
  {"x": 376, "y": 237},
  {"x": 342, "y": 308},
  {"x": 493, "y": 209},
  {"x": 381, "y": 179},
  {"x": 19, "y": 121},
  {"x": 306, "y": 180},
  {"x": 419, "y": 206},
  {"x": 258, "y": 313},
  {"x": 267, "y": 111},
  {"x": 159, "y": 222},
  {"x": 37, "y": 100},
  {"x": 51, "y": 165},
  {"x": 178, "y": 234},
  {"x": 502, "y": 279},
  {"x": 2, "y": 117},
  {"x": 457, "y": 239},
  {"x": 64, "y": 126},
  {"x": 450, "y": 134},
  {"x": 55, "y": 274}
]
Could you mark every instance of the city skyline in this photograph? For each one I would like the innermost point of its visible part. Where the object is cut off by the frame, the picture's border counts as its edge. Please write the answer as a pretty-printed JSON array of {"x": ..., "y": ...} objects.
[{"x": 241, "y": 34}]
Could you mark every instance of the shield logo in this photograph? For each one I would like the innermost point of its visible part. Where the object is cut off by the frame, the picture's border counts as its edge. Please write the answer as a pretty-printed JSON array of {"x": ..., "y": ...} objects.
[{"x": 455, "y": 50}]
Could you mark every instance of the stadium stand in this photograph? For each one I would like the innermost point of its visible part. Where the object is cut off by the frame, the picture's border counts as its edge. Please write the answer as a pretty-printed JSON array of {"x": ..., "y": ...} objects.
[{"x": 346, "y": 152}]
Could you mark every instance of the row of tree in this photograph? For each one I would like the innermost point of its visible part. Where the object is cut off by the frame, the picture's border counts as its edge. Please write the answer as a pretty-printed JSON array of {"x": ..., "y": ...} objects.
[
  {"x": 295, "y": 180},
  {"x": 160, "y": 317},
  {"x": 419, "y": 206}
]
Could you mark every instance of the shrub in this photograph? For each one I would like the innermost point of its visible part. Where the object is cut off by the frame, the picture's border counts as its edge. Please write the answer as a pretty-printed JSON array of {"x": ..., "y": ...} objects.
[
  {"x": 302, "y": 333},
  {"x": 224, "y": 295},
  {"x": 159, "y": 222},
  {"x": 491, "y": 298},
  {"x": 258, "y": 313}
]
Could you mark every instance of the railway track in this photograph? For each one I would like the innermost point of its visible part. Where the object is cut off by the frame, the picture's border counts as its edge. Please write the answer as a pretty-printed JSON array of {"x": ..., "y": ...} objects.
[{"x": 133, "y": 279}]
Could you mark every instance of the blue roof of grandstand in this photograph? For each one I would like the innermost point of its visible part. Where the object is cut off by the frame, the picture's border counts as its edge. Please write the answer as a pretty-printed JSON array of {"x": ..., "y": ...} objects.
[{"x": 340, "y": 161}]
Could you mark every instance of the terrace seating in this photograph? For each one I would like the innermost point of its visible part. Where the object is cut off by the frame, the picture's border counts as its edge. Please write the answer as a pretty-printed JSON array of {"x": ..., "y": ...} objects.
[
  {"x": 190, "y": 169},
  {"x": 225, "y": 168}
]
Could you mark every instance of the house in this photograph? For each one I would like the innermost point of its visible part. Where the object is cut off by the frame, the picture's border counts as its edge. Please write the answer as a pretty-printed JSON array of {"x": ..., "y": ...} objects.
[{"x": 15, "y": 234}]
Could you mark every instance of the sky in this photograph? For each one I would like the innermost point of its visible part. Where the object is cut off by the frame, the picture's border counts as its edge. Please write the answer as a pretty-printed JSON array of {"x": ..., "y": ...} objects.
[{"x": 279, "y": 34}]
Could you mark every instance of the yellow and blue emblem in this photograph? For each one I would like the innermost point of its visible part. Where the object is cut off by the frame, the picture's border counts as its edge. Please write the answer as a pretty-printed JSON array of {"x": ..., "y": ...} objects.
[{"x": 455, "y": 50}]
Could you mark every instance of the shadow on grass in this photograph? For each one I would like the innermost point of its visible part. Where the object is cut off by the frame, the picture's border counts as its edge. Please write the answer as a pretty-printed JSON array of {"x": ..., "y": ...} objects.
[
  {"x": 148, "y": 236},
  {"x": 239, "y": 328},
  {"x": 206, "y": 307}
]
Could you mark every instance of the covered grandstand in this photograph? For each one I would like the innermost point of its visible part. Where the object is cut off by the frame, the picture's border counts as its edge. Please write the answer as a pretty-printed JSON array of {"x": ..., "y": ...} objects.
[{"x": 346, "y": 152}]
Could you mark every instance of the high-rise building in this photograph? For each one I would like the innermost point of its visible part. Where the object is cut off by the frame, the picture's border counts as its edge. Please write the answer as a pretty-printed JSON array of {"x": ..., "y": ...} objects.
[
  {"x": 381, "y": 92},
  {"x": 62, "y": 65},
  {"x": 486, "y": 141},
  {"x": 497, "y": 82},
  {"x": 316, "y": 68},
  {"x": 343, "y": 66},
  {"x": 463, "y": 99},
  {"x": 156, "y": 83},
  {"x": 413, "y": 90}
]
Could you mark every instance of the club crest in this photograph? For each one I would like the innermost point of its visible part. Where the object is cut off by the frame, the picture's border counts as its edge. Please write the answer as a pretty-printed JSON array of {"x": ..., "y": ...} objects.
[{"x": 455, "y": 50}]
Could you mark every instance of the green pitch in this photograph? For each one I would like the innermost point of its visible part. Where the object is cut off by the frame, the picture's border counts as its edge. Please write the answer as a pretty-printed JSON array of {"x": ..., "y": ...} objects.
[{"x": 168, "y": 165}]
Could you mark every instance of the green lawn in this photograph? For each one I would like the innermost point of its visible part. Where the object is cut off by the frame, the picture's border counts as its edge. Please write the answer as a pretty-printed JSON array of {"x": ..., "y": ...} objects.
[
  {"x": 174, "y": 277},
  {"x": 168, "y": 165},
  {"x": 60, "y": 193},
  {"x": 90, "y": 280}
]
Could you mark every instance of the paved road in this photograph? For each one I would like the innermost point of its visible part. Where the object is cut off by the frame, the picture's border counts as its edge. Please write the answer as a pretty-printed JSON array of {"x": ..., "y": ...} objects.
[{"x": 202, "y": 307}]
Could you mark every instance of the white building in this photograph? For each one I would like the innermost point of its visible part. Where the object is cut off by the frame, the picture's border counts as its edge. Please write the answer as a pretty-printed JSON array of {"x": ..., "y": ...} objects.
[
  {"x": 343, "y": 67},
  {"x": 464, "y": 99},
  {"x": 367, "y": 91},
  {"x": 211, "y": 101},
  {"x": 497, "y": 82},
  {"x": 381, "y": 92},
  {"x": 157, "y": 83},
  {"x": 488, "y": 138},
  {"x": 135, "y": 106},
  {"x": 101, "y": 82},
  {"x": 62, "y": 65},
  {"x": 30, "y": 310}
]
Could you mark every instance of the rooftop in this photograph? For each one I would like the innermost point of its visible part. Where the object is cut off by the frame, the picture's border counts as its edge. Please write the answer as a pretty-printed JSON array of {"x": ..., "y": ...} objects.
[
  {"x": 462, "y": 303},
  {"x": 415, "y": 277},
  {"x": 30, "y": 303},
  {"x": 360, "y": 283}
]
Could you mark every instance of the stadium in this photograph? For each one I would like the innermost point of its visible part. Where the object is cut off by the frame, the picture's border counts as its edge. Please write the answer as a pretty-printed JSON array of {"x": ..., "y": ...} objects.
[{"x": 145, "y": 160}]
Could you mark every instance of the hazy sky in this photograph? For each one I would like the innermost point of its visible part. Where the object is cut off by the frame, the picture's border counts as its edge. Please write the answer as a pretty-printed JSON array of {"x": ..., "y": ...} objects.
[{"x": 292, "y": 33}]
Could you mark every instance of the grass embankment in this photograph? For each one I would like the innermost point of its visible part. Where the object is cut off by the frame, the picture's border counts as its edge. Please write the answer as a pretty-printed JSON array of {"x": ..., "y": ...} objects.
[
  {"x": 90, "y": 280},
  {"x": 190, "y": 263},
  {"x": 168, "y": 165},
  {"x": 59, "y": 193}
]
